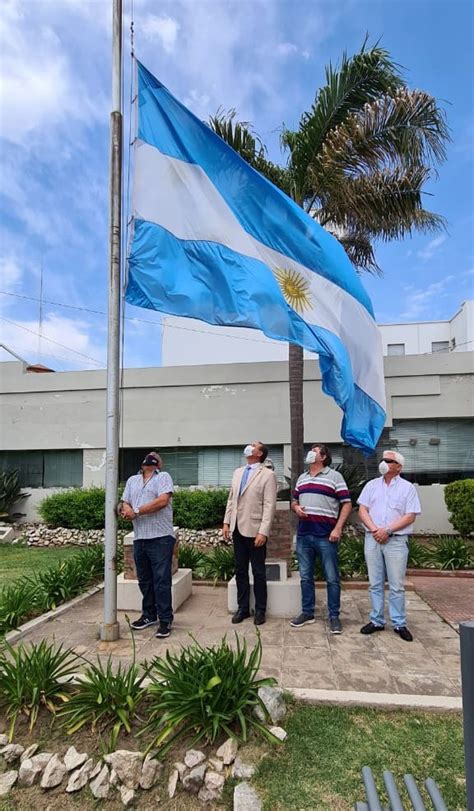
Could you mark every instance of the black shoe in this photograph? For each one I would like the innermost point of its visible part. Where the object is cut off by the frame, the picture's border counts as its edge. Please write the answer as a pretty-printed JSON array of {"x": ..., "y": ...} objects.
[
  {"x": 240, "y": 616},
  {"x": 335, "y": 625},
  {"x": 371, "y": 628},
  {"x": 303, "y": 619},
  {"x": 404, "y": 633},
  {"x": 164, "y": 630},
  {"x": 260, "y": 618},
  {"x": 143, "y": 622}
]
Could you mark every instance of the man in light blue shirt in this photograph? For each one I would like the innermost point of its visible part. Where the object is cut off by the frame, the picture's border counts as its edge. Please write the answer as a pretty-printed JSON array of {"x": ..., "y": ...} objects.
[
  {"x": 146, "y": 501},
  {"x": 388, "y": 507}
]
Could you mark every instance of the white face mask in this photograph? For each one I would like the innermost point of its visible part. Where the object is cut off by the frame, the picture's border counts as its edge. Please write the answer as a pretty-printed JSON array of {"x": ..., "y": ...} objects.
[
  {"x": 249, "y": 450},
  {"x": 311, "y": 457},
  {"x": 383, "y": 467}
]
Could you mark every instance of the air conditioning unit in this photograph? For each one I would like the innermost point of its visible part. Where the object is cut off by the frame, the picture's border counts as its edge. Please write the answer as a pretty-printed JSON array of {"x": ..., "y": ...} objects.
[{"x": 435, "y": 440}]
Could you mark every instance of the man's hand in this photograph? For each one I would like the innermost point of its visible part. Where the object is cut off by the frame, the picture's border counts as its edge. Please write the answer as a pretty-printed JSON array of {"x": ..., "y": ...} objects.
[
  {"x": 335, "y": 535},
  {"x": 127, "y": 512},
  {"x": 381, "y": 535},
  {"x": 260, "y": 539},
  {"x": 226, "y": 532},
  {"x": 300, "y": 511}
]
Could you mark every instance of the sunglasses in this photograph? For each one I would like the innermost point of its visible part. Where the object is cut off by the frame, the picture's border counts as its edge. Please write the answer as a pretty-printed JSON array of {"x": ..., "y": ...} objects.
[{"x": 391, "y": 461}]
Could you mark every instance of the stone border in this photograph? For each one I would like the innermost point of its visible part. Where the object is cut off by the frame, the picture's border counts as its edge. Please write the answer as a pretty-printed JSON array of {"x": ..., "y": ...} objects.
[
  {"x": 22, "y": 630},
  {"x": 440, "y": 573},
  {"x": 379, "y": 700}
]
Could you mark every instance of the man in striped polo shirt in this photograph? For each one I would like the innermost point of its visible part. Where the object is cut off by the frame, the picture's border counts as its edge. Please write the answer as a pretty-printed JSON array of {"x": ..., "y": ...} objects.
[{"x": 323, "y": 504}]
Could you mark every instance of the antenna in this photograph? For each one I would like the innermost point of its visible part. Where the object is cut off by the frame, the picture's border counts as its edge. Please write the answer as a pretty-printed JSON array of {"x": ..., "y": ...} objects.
[{"x": 40, "y": 318}]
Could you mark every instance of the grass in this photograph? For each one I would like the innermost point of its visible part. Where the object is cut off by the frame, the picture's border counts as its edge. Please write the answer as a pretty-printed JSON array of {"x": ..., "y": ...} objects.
[
  {"x": 20, "y": 559},
  {"x": 319, "y": 767}
]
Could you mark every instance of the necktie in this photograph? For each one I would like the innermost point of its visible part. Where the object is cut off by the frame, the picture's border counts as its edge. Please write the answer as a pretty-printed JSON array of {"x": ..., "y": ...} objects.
[{"x": 245, "y": 477}]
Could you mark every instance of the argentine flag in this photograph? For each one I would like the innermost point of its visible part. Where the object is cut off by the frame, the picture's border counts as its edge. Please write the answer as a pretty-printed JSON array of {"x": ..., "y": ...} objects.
[{"x": 214, "y": 240}]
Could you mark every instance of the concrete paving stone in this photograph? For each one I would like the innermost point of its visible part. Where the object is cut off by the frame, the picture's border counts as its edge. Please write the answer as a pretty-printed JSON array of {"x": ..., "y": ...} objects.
[
  {"x": 304, "y": 639},
  {"x": 449, "y": 663},
  {"x": 294, "y": 677},
  {"x": 425, "y": 683},
  {"x": 307, "y": 659},
  {"x": 371, "y": 681}
]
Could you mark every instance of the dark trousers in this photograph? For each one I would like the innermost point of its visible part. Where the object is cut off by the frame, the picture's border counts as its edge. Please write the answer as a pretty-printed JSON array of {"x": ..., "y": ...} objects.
[
  {"x": 246, "y": 552},
  {"x": 153, "y": 559}
]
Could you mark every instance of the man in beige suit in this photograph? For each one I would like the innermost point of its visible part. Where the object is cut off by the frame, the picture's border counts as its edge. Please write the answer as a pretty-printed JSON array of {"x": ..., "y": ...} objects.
[{"x": 249, "y": 514}]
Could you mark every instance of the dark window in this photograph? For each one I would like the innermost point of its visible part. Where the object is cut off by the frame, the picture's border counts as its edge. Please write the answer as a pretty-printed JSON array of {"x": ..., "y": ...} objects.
[{"x": 61, "y": 468}]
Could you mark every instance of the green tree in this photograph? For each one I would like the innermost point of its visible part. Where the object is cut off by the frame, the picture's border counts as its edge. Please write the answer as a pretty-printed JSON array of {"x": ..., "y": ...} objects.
[{"x": 357, "y": 163}]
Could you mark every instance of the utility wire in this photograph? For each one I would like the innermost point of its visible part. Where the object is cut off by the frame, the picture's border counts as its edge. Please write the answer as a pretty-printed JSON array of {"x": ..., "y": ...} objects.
[{"x": 69, "y": 349}]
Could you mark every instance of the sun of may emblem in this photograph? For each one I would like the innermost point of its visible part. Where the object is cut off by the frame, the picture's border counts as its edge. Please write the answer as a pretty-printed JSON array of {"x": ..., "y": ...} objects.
[{"x": 295, "y": 288}]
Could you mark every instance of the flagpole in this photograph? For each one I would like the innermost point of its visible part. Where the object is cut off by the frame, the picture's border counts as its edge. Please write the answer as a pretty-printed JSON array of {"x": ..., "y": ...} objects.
[{"x": 110, "y": 629}]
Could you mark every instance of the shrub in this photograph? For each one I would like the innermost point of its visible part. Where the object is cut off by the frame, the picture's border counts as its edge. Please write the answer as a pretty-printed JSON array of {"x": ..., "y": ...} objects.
[
  {"x": 449, "y": 552},
  {"x": 199, "y": 509},
  {"x": 104, "y": 698},
  {"x": 351, "y": 557},
  {"x": 85, "y": 509},
  {"x": 190, "y": 558},
  {"x": 32, "y": 677},
  {"x": 212, "y": 691},
  {"x": 459, "y": 498},
  {"x": 218, "y": 564},
  {"x": 418, "y": 555},
  {"x": 19, "y": 601},
  {"x": 10, "y": 494}
]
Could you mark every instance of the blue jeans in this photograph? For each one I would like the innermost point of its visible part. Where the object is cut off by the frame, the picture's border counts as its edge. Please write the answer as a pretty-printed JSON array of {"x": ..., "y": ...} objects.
[
  {"x": 387, "y": 561},
  {"x": 308, "y": 547},
  {"x": 153, "y": 560}
]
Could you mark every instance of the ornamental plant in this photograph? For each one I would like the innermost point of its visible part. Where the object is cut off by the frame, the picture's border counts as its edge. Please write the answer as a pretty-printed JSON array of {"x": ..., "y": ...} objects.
[{"x": 459, "y": 498}]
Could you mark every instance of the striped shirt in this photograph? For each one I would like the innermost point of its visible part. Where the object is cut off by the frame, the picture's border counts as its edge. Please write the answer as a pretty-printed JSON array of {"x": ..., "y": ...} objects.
[
  {"x": 138, "y": 492},
  {"x": 321, "y": 496}
]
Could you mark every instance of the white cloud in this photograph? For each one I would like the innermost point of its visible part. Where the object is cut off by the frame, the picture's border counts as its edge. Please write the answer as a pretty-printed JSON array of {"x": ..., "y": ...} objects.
[
  {"x": 432, "y": 248},
  {"x": 287, "y": 48},
  {"x": 164, "y": 28},
  {"x": 420, "y": 300},
  {"x": 62, "y": 339},
  {"x": 10, "y": 272}
]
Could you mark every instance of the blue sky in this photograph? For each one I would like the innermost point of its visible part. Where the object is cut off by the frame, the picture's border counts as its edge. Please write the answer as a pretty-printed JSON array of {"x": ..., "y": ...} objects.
[{"x": 265, "y": 59}]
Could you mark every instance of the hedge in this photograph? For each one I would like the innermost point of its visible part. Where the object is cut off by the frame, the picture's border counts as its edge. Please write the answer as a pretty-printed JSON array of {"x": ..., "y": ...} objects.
[
  {"x": 459, "y": 498},
  {"x": 85, "y": 509}
]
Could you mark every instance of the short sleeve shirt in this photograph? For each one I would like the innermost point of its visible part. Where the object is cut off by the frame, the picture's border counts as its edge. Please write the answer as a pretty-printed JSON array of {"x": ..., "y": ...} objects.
[
  {"x": 138, "y": 492},
  {"x": 321, "y": 496},
  {"x": 387, "y": 503}
]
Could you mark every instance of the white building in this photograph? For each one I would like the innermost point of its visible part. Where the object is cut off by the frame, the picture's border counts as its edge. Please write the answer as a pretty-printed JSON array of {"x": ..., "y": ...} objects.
[{"x": 188, "y": 342}]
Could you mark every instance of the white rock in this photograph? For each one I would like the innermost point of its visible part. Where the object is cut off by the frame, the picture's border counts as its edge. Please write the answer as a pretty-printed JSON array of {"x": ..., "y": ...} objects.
[
  {"x": 193, "y": 758},
  {"x": 216, "y": 763},
  {"x": 214, "y": 781},
  {"x": 150, "y": 771},
  {"x": 74, "y": 759},
  {"x": 181, "y": 769},
  {"x": 246, "y": 798},
  {"x": 206, "y": 795},
  {"x": 272, "y": 698},
  {"x": 3, "y": 739},
  {"x": 81, "y": 777},
  {"x": 126, "y": 795},
  {"x": 113, "y": 779},
  {"x": 96, "y": 770},
  {"x": 54, "y": 773},
  {"x": 193, "y": 781},
  {"x": 242, "y": 771},
  {"x": 42, "y": 759},
  {"x": 228, "y": 751},
  {"x": 29, "y": 752},
  {"x": 128, "y": 766},
  {"x": 100, "y": 785},
  {"x": 7, "y": 781},
  {"x": 28, "y": 773},
  {"x": 279, "y": 733},
  {"x": 12, "y": 752},
  {"x": 172, "y": 783}
]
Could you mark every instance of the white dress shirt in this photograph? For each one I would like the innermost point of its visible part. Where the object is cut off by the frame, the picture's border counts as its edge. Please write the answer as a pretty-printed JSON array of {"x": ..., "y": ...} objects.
[{"x": 387, "y": 503}]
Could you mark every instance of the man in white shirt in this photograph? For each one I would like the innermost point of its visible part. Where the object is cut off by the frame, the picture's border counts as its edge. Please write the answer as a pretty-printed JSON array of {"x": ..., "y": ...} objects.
[{"x": 388, "y": 507}]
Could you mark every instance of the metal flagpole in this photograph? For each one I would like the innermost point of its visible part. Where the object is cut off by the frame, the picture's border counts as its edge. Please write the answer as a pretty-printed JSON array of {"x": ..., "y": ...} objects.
[{"x": 110, "y": 629}]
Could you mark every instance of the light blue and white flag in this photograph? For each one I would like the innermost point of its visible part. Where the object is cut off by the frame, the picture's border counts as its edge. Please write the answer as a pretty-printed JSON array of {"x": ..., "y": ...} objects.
[{"x": 214, "y": 240}]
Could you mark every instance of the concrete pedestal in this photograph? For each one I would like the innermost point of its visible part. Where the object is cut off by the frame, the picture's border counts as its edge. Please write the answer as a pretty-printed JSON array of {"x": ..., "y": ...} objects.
[
  {"x": 129, "y": 597},
  {"x": 284, "y": 596}
]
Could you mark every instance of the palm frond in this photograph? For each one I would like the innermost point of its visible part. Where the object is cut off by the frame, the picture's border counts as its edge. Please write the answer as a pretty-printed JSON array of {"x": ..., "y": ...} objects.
[
  {"x": 407, "y": 127},
  {"x": 359, "y": 249}
]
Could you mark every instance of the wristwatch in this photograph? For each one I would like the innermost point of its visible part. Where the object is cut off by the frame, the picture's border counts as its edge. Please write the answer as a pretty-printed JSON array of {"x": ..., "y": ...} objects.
[{"x": 137, "y": 512}]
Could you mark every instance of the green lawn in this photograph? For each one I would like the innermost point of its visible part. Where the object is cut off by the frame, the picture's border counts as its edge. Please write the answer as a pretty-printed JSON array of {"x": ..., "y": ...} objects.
[
  {"x": 18, "y": 560},
  {"x": 319, "y": 765}
]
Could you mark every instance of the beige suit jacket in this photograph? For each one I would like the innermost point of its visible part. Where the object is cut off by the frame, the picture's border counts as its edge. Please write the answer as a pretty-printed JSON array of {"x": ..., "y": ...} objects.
[{"x": 254, "y": 509}]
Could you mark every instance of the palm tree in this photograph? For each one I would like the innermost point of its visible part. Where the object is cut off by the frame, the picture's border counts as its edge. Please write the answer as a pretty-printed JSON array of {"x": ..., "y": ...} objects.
[{"x": 357, "y": 163}]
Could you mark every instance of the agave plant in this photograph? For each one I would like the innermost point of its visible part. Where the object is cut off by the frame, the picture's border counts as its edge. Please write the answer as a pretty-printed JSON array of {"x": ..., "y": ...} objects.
[
  {"x": 219, "y": 564},
  {"x": 351, "y": 557},
  {"x": 190, "y": 558},
  {"x": 10, "y": 494},
  {"x": 18, "y": 601},
  {"x": 450, "y": 552},
  {"x": 32, "y": 677}
]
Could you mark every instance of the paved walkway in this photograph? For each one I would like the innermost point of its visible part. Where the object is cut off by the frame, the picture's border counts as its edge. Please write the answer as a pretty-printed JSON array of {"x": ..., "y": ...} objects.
[
  {"x": 306, "y": 658},
  {"x": 451, "y": 597}
]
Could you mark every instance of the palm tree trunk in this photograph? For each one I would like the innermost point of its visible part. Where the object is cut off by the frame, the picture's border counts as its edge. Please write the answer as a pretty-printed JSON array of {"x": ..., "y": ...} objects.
[{"x": 295, "y": 374}]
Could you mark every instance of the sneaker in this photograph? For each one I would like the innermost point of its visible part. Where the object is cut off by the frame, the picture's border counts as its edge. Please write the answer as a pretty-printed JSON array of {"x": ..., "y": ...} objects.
[
  {"x": 163, "y": 631},
  {"x": 404, "y": 633},
  {"x": 371, "y": 627},
  {"x": 303, "y": 619},
  {"x": 335, "y": 625},
  {"x": 143, "y": 622}
]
